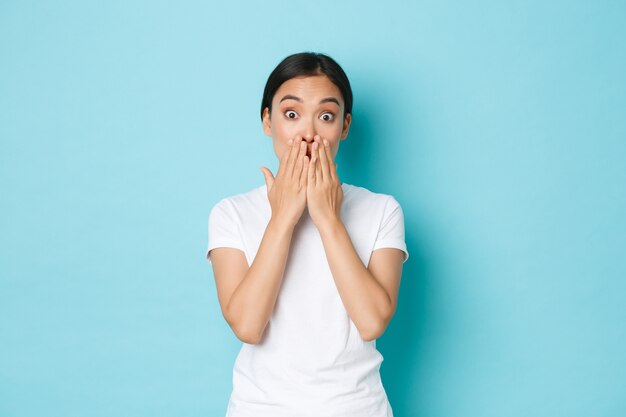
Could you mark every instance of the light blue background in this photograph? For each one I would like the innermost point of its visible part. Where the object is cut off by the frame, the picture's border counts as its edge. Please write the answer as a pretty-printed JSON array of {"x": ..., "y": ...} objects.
[{"x": 499, "y": 126}]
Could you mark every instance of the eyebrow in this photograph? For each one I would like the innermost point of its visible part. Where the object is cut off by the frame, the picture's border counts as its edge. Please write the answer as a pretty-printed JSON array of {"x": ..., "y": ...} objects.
[{"x": 324, "y": 100}]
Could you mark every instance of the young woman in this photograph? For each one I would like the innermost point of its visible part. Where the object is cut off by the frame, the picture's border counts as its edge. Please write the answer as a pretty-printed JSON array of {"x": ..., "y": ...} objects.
[{"x": 307, "y": 267}]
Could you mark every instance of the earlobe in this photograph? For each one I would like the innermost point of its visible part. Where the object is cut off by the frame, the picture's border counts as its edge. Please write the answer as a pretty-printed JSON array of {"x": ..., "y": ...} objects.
[
  {"x": 346, "y": 126},
  {"x": 267, "y": 126}
]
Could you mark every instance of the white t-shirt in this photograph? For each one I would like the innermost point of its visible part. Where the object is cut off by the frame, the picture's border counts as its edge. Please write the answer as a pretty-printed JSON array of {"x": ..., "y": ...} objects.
[{"x": 311, "y": 360}]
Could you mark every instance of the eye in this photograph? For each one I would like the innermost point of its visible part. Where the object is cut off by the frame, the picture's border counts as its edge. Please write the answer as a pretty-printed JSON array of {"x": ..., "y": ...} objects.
[
  {"x": 291, "y": 114},
  {"x": 327, "y": 117}
]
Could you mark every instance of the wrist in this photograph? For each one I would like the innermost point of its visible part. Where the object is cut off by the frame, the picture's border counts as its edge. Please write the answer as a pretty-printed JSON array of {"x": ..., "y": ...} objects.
[
  {"x": 280, "y": 225},
  {"x": 330, "y": 225}
]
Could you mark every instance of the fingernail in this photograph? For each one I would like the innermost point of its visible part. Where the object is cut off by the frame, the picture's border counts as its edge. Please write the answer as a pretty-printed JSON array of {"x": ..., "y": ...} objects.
[
  {"x": 326, "y": 142},
  {"x": 290, "y": 141}
]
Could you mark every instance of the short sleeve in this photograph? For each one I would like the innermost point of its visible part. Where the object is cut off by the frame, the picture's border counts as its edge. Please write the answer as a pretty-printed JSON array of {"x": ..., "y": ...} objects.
[
  {"x": 391, "y": 231},
  {"x": 223, "y": 228}
]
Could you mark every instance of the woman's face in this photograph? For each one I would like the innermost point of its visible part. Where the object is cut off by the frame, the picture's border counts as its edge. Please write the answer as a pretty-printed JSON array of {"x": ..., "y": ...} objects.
[{"x": 306, "y": 106}]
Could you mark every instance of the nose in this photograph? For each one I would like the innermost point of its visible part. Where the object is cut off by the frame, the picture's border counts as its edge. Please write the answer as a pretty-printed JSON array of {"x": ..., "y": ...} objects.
[{"x": 308, "y": 131}]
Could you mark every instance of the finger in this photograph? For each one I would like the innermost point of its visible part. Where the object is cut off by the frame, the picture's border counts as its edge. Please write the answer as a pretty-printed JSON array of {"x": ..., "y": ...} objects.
[
  {"x": 305, "y": 171},
  {"x": 299, "y": 161},
  {"x": 311, "y": 169},
  {"x": 282, "y": 166},
  {"x": 318, "y": 165},
  {"x": 331, "y": 164},
  {"x": 269, "y": 178},
  {"x": 295, "y": 148},
  {"x": 324, "y": 162}
]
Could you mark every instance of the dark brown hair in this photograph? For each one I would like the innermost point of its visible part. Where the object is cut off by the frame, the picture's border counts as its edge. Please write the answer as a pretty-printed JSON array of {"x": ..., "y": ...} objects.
[{"x": 306, "y": 64}]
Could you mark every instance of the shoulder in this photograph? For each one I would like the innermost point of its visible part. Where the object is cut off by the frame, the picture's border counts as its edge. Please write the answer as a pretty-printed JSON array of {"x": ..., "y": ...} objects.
[
  {"x": 251, "y": 197},
  {"x": 247, "y": 206},
  {"x": 361, "y": 196},
  {"x": 382, "y": 214}
]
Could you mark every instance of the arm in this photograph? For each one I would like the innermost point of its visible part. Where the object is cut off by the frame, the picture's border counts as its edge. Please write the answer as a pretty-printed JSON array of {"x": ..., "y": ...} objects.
[
  {"x": 247, "y": 296},
  {"x": 369, "y": 294}
]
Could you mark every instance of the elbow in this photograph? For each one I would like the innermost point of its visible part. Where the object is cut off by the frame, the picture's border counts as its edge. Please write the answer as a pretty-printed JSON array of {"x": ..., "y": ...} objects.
[
  {"x": 246, "y": 333},
  {"x": 368, "y": 338},
  {"x": 374, "y": 331},
  {"x": 376, "y": 328},
  {"x": 249, "y": 337}
]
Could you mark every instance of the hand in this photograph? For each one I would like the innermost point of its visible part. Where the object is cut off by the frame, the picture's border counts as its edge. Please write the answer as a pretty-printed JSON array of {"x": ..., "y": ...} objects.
[
  {"x": 323, "y": 192},
  {"x": 287, "y": 192}
]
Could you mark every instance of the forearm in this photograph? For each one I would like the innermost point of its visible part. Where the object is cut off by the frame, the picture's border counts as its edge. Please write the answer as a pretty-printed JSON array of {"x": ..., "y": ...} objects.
[
  {"x": 252, "y": 303},
  {"x": 365, "y": 300}
]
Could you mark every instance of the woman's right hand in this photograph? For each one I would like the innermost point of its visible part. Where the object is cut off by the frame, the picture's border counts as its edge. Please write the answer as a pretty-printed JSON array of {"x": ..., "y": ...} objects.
[{"x": 287, "y": 191}]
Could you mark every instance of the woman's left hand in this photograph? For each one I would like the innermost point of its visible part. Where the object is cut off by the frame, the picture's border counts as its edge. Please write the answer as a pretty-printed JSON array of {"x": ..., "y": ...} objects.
[{"x": 323, "y": 193}]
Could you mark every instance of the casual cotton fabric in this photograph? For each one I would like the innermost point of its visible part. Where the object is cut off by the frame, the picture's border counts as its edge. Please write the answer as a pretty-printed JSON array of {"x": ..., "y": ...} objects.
[{"x": 311, "y": 360}]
